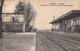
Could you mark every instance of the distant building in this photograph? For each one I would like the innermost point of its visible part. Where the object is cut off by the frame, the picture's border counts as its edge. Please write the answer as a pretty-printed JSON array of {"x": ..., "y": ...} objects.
[
  {"x": 12, "y": 22},
  {"x": 69, "y": 22}
]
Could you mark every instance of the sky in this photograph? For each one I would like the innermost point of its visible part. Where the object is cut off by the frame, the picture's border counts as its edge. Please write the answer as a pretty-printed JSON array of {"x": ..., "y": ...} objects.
[{"x": 45, "y": 14}]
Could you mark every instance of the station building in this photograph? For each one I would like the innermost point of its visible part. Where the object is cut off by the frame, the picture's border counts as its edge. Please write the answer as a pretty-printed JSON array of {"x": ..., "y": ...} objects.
[
  {"x": 12, "y": 22},
  {"x": 69, "y": 22}
]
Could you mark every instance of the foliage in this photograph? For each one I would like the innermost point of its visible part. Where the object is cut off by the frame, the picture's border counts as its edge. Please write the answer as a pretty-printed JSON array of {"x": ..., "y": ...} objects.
[
  {"x": 28, "y": 13},
  {"x": 19, "y": 8},
  {"x": 27, "y": 10}
]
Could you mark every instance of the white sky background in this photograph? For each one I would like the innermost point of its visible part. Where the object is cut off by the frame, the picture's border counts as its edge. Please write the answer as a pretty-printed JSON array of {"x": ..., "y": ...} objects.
[{"x": 45, "y": 13}]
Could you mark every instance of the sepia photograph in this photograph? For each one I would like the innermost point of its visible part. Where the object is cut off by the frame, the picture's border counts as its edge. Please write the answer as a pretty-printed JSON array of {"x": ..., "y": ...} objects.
[{"x": 39, "y": 25}]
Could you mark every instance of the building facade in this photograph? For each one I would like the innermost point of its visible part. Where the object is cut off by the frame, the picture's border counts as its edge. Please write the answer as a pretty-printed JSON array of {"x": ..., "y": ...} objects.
[
  {"x": 69, "y": 22},
  {"x": 12, "y": 22}
]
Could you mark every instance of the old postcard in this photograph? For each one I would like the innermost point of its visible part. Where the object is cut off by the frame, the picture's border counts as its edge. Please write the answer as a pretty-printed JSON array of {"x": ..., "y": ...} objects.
[{"x": 39, "y": 25}]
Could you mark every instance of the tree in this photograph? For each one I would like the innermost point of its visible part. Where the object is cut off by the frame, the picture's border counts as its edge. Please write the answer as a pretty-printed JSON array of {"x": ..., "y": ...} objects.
[
  {"x": 28, "y": 11},
  {"x": 29, "y": 14},
  {"x": 19, "y": 8},
  {"x": 1, "y": 5}
]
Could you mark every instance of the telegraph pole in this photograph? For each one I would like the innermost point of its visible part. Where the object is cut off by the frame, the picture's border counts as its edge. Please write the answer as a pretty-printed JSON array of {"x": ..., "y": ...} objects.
[
  {"x": 52, "y": 24},
  {"x": 33, "y": 23},
  {"x": 54, "y": 20},
  {"x": 1, "y": 5}
]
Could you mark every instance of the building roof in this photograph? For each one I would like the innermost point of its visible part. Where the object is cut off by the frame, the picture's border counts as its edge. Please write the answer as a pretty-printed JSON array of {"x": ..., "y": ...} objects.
[
  {"x": 11, "y": 13},
  {"x": 8, "y": 17},
  {"x": 71, "y": 14}
]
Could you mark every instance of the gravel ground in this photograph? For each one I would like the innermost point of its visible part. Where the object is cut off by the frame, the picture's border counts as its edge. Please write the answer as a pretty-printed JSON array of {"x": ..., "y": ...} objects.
[{"x": 18, "y": 42}]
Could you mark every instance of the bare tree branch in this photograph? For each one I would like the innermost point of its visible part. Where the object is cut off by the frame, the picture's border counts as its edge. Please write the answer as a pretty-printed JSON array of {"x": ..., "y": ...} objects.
[
  {"x": 27, "y": 10},
  {"x": 30, "y": 13}
]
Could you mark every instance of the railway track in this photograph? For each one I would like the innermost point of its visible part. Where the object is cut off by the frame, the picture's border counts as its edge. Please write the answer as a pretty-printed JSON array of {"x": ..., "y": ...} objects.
[
  {"x": 57, "y": 44},
  {"x": 43, "y": 45},
  {"x": 46, "y": 46},
  {"x": 63, "y": 43},
  {"x": 67, "y": 41},
  {"x": 70, "y": 40}
]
